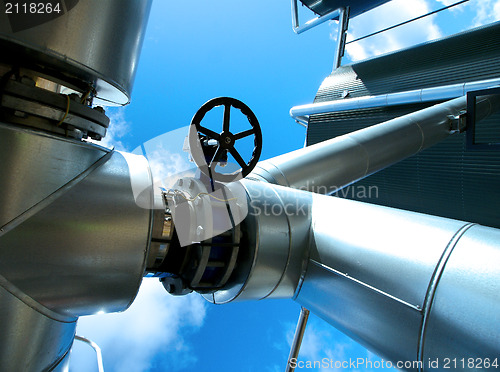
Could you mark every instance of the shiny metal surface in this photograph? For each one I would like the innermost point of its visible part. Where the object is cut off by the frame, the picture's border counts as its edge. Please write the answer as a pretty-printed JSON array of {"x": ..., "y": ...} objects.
[
  {"x": 393, "y": 99},
  {"x": 386, "y": 327},
  {"x": 96, "y": 348},
  {"x": 22, "y": 332},
  {"x": 297, "y": 339},
  {"x": 371, "y": 272},
  {"x": 80, "y": 246},
  {"x": 162, "y": 230},
  {"x": 32, "y": 168},
  {"x": 298, "y": 29},
  {"x": 401, "y": 283},
  {"x": 333, "y": 164},
  {"x": 465, "y": 313},
  {"x": 92, "y": 40},
  {"x": 271, "y": 259},
  {"x": 63, "y": 365},
  {"x": 367, "y": 241}
]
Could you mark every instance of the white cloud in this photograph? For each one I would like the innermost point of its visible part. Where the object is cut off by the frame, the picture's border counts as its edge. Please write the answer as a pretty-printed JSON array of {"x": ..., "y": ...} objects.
[
  {"x": 447, "y": 2},
  {"x": 155, "y": 322},
  {"x": 167, "y": 157},
  {"x": 487, "y": 11},
  {"x": 118, "y": 127},
  {"x": 389, "y": 14},
  {"x": 477, "y": 12},
  {"x": 470, "y": 14},
  {"x": 167, "y": 166},
  {"x": 327, "y": 346}
]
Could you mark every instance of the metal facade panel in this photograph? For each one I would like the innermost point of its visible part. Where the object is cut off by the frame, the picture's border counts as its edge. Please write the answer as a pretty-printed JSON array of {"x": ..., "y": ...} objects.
[{"x": 469, "y": 56}]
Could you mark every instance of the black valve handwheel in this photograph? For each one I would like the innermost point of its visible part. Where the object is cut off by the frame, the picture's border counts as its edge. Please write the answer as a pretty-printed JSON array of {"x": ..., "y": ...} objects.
[{"x": 205, "y": 158}]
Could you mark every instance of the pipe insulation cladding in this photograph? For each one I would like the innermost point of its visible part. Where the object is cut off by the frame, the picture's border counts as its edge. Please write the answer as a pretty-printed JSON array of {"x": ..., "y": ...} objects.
[
  {"x": 411, "y": 287},
  {"x": 73, "y": 240},
  {"x": 92, "y": 41},
  {"x": 333, "y": 164}
]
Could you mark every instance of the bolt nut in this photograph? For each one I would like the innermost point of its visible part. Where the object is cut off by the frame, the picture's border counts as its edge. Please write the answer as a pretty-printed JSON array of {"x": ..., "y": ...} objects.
[{"x": 100, "y": 109}]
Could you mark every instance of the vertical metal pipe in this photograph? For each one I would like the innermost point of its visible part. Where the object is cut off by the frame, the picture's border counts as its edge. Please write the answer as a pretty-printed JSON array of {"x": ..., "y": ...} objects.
[
  {"x": 297, "y": 339},
  {"x": 341, "y": 35},
  {"x": 295, "y": 14}
]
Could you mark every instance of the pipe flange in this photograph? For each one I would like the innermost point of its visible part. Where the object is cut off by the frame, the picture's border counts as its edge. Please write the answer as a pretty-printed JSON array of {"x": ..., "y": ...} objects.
[{"x": 69, "y": 115}]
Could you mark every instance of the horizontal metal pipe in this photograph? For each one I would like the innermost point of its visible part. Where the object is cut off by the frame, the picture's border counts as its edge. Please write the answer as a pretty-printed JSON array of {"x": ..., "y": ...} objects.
[
  {"x": 311, "y": 23},
  {"x": 392, "y": 99},
  {"x": 330, "y": 165}
]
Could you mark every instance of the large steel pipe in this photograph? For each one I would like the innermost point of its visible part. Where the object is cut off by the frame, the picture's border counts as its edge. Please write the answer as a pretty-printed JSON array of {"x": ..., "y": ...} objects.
[
  {"x": 338, "y": 162},
  {"x": 93, "y": 41},
  {"x": 421, "y": 291},
  {"x": 72, "y": 235},
  {"x": 413, "y": 288},
  {"x": 75, "y": 224},
  {"x": 32, "y": 337}
]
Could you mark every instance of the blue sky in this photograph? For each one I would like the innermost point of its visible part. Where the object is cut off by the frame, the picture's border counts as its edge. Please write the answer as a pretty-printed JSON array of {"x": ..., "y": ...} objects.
[{"x": 199, "y": 50}]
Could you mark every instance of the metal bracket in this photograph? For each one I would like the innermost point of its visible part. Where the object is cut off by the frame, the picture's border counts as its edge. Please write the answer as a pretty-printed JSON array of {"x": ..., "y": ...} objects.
[
  {"x": 311, "y": 23},
  {"x": 458, "y": 124},
  {"x": 471, "y": 143}
]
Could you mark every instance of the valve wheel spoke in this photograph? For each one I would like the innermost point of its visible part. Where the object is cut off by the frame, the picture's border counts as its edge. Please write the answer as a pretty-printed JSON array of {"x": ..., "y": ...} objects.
[
  {"x": 227, "y": 117},
  {"x": 243, "y": 134},
  {"x": 208, "y": 132},
  {"x": 238, "y": 158}
]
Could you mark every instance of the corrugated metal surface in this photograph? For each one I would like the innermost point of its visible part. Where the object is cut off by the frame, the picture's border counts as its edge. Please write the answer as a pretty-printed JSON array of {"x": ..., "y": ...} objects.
[{"x": 445, "y": 180}]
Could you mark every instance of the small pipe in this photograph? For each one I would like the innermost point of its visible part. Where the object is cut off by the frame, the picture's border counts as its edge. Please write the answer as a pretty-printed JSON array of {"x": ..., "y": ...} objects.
[
  {"x": 97, "y": 349},
  {"x": 311, "y": 23},
  {"x": 295, "y": 15},
  {"x": 297, "y": 339},
  {"x": 392, "y": 99}
]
